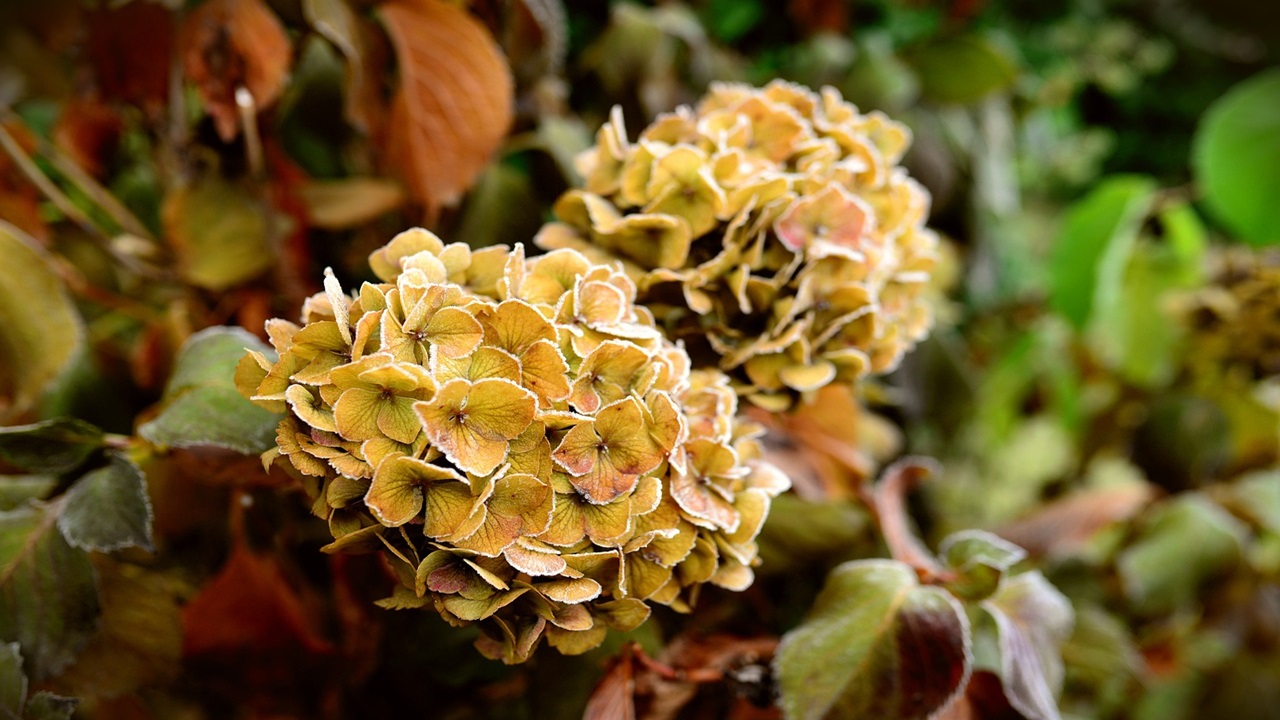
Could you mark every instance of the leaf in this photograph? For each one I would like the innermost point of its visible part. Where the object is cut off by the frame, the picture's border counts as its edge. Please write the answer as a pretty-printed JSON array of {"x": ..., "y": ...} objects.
[
  {"x": 48, "y": 600},
  {"x": 201, "y": 403},
  {"x": 962, "y": 69},
  {"x": 108, "y": 509},
  {"x": 125, "y": 69},
  {"x": 339, "y": 24},
  {"x": 232, "y": 44},
  {"x": 979, "y": 560},
  {"x": 1236, "y": 158},
  {"x": 47, "y": 706},
  {"x": 40, "y": 330},
  {"x": 876, "y": 644},
  {"x": 502, "y": 205},
  {"x": 140, "y": 641},
  {"x": 455, "y": 100},
  {"x": 1034, "y": 619},
  {"x": 1092, "y": 250},
  {"x": 249, "y": 606},
  {"x": 52, "y": 446},
  {"x": 16, "y": 490},
  {"x": 346, "y": 203},
  {"x": 1256, "y": 496},
  {"x": 1062, "y": 527},
  {"x": 218, "y": 230},
  {"x": 13, "y": 684},
  {"x": 614, "y": 697},
  {"x": 1187, "y": 542}
]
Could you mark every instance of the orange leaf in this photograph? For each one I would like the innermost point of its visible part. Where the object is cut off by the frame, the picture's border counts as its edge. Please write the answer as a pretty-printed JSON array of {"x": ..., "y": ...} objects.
[
  {"x": 454, "y": 104},
  {"x": 249, "y": 605},
  {"x": 231, "y": 44}
]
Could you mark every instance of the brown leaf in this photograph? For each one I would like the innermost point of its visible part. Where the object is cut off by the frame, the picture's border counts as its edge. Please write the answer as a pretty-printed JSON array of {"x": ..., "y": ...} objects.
[
  {"x": 614, "y": 698},
  {"x": 819, "y": 15},
  {"x": 249, "y": 606},
  {"x": 88, "y": 131},
  {"x": 1064, "y": 525},
  {"x": 346, "y": 203},
  {"x": 231, "y": 44},
  {"x": 454, "y": 104},
  {"x": 127, "y": 70}
]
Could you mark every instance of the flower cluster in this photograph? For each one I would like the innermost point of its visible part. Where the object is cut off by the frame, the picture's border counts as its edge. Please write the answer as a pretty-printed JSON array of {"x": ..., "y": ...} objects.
[
  {"x": 1232, "y": 320},
  {"x": 774, "y": 223},
  {"x": 516, "y": 434}
]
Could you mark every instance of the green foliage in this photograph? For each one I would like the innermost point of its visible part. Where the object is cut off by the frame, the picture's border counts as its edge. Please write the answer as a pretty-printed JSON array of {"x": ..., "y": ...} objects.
[
  {"x": 1236, "y": 156},
  {"x": 40, "y": 330},
  {"x": 108, "y": 509},
  {"x": 1185, "y": 544},
  {"x": 202, "y": 406},
  {"x": 1093, "y": 249},
  {"x": 963, "y": 69},
  {"x": 52, "y": 446},
  {"x": 859, "y": 654},
  {"x": 48, "y": 601},
  {"x": 14, "y": 701}
]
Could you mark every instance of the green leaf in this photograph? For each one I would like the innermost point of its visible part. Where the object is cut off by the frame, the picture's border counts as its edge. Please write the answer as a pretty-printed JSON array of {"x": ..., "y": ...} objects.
[
  {"x": 1092, "y": 250},
  {"x": 219, "y": 232},
  {"x": 1137, "y": 336},
  {"x": 108, "y": 509},
  {"x": 1256, "y": 496},
  {"x": 17, "y": 489},
  {"x": 13, "y": 684},
  {"x": 40, "y": 330},
  {"x": 729, "y": 20},
  {"x": 1034, "y": 620},
  {"x": 980, "y": 559},
  {"x": 53, "y": 446},
  {"x": 202, "y": 406},
  {"x": 47, "y": 706},
  {"x": 876, "y": 645},
  {"x": 1102, "y": 657},
  {"x": 1189, "y": 541},
  {"x": 1236, "y": 158},
  {"x": 48, "y": 598},
  {"x": 962, "y": 69}
]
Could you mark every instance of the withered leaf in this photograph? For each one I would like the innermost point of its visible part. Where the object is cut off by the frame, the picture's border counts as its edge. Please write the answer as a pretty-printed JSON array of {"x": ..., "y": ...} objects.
[
  {"x": 454, "y": 104},
  {"x": 232, "y": 44}
]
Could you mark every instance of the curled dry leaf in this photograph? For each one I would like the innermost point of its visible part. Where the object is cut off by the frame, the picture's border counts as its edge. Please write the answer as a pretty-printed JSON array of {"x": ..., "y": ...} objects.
[
  {"x": 231, "y": 44},
  {"x": 1062, "y": 527},
  {"x": 454, "y": 103}
]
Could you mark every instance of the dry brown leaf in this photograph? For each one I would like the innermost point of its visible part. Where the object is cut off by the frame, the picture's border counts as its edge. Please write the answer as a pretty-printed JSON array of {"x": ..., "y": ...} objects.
[
  {"x": 454, "y": 104},
  {"x": 231, "y": 44},
  {"x": 1064, "y": 525},
  {"x": 128, "y": 70},
  {"x": 614, "y": 698}
]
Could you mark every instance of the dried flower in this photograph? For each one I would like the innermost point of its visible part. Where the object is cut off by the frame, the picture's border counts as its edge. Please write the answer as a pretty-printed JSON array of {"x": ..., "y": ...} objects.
[
  {"x": 774, "y": 223},
  {"x": 518, "y": 437}
]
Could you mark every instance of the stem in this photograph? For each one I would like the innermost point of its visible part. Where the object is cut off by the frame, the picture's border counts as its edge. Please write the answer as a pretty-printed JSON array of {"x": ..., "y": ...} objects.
[{"x": 888, "y": 500}]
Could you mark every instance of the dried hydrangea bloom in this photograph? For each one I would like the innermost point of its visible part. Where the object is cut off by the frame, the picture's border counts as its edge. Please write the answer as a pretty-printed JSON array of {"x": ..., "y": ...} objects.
[
  {"x": 1232, "y": 320},
  {"x": 519, "y": 439},
  {"x": 775, "y": 223}
]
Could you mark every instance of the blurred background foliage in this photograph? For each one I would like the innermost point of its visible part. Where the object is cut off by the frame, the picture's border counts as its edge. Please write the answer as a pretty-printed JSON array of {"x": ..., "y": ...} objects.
[{"x": 1102, "y": 387}]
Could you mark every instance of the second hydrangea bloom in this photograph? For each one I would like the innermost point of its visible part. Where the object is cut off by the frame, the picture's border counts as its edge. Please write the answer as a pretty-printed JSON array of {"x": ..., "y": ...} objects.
[
  {"x": 775, "y": 223},
  {"x": 528, "y": 449}
]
